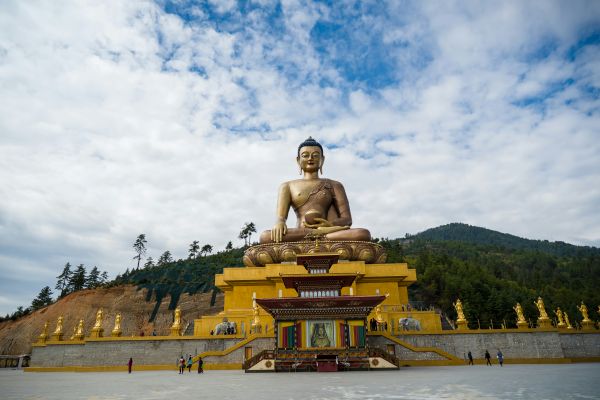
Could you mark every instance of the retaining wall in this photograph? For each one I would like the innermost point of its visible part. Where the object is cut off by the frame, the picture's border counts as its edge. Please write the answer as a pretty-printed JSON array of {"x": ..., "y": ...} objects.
[
  {"x": 419, "y": 348},
  {"x": 518, "y": 346}
]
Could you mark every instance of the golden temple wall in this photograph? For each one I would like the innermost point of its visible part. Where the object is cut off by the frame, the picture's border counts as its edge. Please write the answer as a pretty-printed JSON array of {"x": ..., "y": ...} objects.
[{"x": 241, "y": 285}]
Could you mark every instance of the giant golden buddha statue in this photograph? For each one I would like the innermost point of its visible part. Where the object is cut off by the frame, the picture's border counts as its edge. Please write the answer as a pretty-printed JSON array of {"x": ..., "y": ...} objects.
[{"x": 322, "y": 212}]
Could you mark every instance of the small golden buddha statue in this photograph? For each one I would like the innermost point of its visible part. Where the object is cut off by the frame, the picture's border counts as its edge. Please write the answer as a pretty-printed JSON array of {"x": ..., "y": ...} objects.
[
  {"x": 97, "y": 330},
  {"x": 79, "y": 332},
  {"x": 569, "y": 326},
  {"x": 519, "y": 310},
  {"x": 59, "y": 325},
  {"x": 98, "y": 323},
  {"x": 117, "y": 329},
  {"x": 58, "y": 332},
  {"x": 541, "y": 308},
  {"x": 255, "y": 326},
  {"x": 560, "y": 317},
  {"x": 586, "y": 323},
  {"x": 584, "y": 312},
  {"x": 320, "y": 204},
  {"x": 44, "y": 335},
  {"x": 176, "y": 327},
  {"x": 378, "y": 315},
  {"x": 459, "y": 311},
  {"x": 461, "y": 321}
]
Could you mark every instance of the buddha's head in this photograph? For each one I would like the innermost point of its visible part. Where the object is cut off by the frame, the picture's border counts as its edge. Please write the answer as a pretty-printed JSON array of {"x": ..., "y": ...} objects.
[{"x": 310, "y": 155}]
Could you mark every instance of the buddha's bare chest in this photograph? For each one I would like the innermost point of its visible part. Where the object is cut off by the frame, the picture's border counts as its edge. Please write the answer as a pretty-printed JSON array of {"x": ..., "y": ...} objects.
[{"x": 301, "y": 191}]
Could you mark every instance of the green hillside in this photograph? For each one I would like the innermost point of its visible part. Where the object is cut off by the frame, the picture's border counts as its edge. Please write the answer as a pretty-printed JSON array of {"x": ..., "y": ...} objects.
[
  {"x": 190, "y": 276},
  {"x": 491, "y": 271}
]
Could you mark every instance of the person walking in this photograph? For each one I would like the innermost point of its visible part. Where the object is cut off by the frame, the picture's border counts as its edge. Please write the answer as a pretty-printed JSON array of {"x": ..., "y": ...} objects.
[
  {"x": 130, "y": 364},
  {"x": 181, "y": 364},
  {"x": 200, "y": 364},
  {"x": 500, "y": 357},
  {"x": 487, "y": 358},
  {"x": 189, "y": 363},
  {"x": 470, "y": 357}
]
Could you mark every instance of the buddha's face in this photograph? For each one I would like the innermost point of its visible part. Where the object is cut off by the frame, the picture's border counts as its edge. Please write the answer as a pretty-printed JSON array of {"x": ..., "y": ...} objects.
[{"x": 310, "y": 158}]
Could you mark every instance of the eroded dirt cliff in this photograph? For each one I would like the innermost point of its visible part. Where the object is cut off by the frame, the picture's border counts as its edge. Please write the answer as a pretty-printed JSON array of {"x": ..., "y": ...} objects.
[{"x": 17, "y": 336}]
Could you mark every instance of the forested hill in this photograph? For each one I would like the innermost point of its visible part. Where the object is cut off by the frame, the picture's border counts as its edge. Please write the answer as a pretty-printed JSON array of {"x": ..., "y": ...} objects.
[
  {"x": 473, "y": 234},
  {"x": 491, "y": 271}
]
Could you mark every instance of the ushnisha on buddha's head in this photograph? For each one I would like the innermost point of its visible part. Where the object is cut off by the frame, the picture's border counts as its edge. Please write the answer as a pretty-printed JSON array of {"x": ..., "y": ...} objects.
[{"x": 310, "y": 156}]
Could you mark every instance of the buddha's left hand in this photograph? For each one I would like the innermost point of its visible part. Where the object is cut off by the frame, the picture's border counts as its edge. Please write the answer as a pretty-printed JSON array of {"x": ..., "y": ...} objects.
[{"x": 319, "y": 222}]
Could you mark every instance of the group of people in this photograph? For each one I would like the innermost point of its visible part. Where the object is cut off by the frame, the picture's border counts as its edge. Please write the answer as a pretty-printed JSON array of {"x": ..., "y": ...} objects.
[
  {"x": 488, "y": 357},
  {"x": 230, "y": 330},
  {"x": 375, "y": 326},
  {"x": 183, "y": 364}
]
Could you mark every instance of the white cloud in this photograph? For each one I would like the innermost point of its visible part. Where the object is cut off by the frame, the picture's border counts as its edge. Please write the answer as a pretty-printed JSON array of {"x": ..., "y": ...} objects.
[{"x": 122, "y": 119}]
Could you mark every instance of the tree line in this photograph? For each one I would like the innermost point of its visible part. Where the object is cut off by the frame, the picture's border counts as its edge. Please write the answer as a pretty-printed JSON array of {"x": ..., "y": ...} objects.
[
  {"x": 72, "y": 279},
  {"x": 69, "y": 281}
]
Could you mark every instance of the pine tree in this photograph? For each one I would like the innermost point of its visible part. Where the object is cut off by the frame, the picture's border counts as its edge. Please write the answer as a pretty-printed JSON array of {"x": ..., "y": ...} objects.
[
  {"x": 244, "y": 235},
  {"x": 77, "y": 281},
  {"x": 43, "y": 299},
  {"x": 250, "y": 228},
  {"x": 165, "y": 258},
  {"x": 229, "y": 246},
  {"x": 140, "y": 248},
  {"x": 206, "y": 249},
  {"x": 93, "y": 279},
  {"x": 103, "y": 277},
  {"x": 194, "y": 247},
  {"x": 63, "y": 280},
  {"x": 149, "y": 263}
]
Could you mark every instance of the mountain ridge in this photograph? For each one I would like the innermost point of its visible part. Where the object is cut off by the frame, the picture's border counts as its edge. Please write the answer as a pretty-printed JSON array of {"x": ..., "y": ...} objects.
[{"x": 461, "y": 232}]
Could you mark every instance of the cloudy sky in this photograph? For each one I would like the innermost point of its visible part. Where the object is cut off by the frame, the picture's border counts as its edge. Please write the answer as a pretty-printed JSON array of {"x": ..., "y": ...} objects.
[{"x": 179, "y": 120}]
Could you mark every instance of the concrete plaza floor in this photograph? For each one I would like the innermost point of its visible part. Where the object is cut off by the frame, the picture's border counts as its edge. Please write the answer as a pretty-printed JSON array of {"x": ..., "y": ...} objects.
[{"x": 576, "y": 381}]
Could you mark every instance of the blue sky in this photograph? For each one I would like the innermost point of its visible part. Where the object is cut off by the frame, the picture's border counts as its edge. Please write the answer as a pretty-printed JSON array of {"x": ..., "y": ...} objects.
[{"x": 180, "y": 119}]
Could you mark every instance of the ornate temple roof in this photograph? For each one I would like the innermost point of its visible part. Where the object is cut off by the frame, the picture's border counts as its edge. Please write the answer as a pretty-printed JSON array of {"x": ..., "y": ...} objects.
[
  {"x": 292, "y": 308},
  {"x": 317, "y": 262},
  {"x": 330, "y": 281}
]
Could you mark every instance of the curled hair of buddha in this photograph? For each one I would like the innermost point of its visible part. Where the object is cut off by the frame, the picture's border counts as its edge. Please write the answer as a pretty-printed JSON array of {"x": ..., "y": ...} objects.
[{"x": 310, "y": 142}]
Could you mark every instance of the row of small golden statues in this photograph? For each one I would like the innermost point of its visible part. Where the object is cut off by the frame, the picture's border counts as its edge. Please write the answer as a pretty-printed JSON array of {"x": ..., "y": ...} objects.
[
  {"x": 97, "y": 330},
  {"x": 543, "y": 320}
]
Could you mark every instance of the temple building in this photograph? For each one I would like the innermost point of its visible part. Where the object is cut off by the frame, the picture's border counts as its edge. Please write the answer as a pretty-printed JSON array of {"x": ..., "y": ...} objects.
[{"x": 318, "y": 306}]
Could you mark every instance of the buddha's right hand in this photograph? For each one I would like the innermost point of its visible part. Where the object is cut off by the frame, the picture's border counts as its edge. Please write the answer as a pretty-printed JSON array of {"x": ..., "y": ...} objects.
[{"x": 278, "y": 232}]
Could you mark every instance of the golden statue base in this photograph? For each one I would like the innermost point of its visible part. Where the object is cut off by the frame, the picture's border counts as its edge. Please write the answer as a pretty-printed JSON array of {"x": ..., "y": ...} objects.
[
  {"x": 78, "y": 337},
  {"x": 522, "y": 325},
  {"x": 175, "y": 331},
  {"x": 544, "y": 323},
  {"x": 461, "y": 325},
  {"x": 97, "y": 333},
  {"x": 561, "y": 325},
  {"x": 116, "y": 333},
  {"x": 276, "y": 253},
  {"x": 587, "y": 325},
  {"x": 57, "y": 337}
]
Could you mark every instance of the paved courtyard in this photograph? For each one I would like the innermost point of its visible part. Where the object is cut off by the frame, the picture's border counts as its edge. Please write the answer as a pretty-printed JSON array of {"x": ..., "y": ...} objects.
[{"x": 577, "y": 381}]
